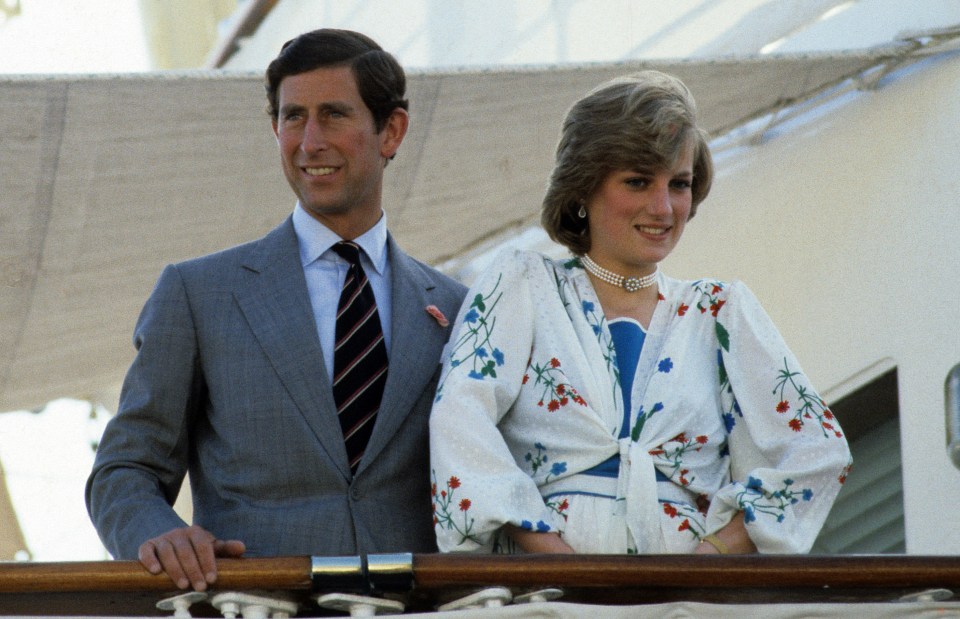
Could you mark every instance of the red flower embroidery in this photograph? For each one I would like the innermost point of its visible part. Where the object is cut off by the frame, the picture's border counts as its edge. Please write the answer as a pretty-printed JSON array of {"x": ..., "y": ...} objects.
[
  {"x": 670, "y": 510},
  {"x": 795, "y": 424},
  {"x": 716, "y": 288},
  {"x": 783, "y": 406},
  {"x": 454, "y": 483},
  {"x": 563, "y": 506},
  {"x": 561, "y": 389},
  {"x": 702, "y": 439},
  {"x": 682, "y": 310},
  {"x": 827, "y": 414},
  {"x": 526, "y": 377},
  {"x": 553, "y": 405},
  {"x": 464, "y": 504},
  {"x": 554, "y": 363},
  {"x": 684, "y": 525},
  {"x": 433, "y": 490},
  {"x": 715, "y": 307}
]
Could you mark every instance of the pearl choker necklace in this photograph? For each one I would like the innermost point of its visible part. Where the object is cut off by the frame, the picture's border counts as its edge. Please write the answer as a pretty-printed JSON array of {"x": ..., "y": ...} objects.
[{"x": 630, "y": 284}]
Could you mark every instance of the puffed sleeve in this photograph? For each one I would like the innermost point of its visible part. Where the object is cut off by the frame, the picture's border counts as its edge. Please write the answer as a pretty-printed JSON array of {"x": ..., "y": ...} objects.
[
  {"x": 788, "y": 455},
  {"x": 477, "y": 486}
]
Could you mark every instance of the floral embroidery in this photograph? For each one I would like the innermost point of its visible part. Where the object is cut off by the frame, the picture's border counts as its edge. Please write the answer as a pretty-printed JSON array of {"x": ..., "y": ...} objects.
[
  {"x": 540, "y": 460},
  {"x": 539, "y": 527},
  {"x": 726, "y": 389},
  {"x": 690, "y": 517},
  {"x": 559, "y": 508},
  {"x": 642, "y": 419},
  {"x": 709, "y": 301},
  {"x": 561, "y": 282},
  {"x": 665, "y": 365},
  {"x": 596, "y": 321},
  {"x": 672, "y": 452},
  {"x": 753, "y": 499},
  {"x": 811, "y": 406},
  {"x": 478, "y": 327},
  {"x": 445, "y": 516},
  {"x": 556, "y": 393},
  {"x": 842, "y": 478}
]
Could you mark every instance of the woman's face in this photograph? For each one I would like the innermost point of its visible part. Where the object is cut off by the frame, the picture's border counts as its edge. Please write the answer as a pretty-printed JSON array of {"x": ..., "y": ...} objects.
[{"x": 636, "y": 218}]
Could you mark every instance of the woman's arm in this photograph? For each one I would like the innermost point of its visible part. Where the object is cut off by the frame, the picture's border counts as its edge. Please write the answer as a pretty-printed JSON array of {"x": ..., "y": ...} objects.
[
  {"x": 733, "y": 538},
  {"x": 531, "y": 541}
]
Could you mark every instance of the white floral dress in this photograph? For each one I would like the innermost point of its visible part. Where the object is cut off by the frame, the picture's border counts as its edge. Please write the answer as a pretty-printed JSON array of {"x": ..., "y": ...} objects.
[{"x": 723, "y": 420}]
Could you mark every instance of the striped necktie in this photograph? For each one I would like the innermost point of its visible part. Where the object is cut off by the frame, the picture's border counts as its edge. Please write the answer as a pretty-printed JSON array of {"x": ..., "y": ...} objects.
[{"x": 359, "y": 356}]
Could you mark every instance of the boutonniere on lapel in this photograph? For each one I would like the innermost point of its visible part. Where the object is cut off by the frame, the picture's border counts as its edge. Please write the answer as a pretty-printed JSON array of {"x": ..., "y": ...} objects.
[{"x": 434, "y": 311}]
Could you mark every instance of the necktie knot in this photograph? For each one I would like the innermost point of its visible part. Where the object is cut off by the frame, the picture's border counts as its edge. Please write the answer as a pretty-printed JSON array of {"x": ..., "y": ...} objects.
[{"x": 349, "y": 251}]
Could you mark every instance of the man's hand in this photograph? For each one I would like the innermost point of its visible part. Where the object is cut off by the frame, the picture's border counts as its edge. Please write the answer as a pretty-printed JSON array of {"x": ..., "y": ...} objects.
[{"x": 188, "y": 556}]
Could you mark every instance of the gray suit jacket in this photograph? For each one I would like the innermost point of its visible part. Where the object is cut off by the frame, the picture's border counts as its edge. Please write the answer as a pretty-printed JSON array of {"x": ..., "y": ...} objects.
[{"x": 229, "y": 383}]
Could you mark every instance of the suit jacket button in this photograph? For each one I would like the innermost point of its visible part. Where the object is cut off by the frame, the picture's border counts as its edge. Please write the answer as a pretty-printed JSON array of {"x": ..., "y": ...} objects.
[{"x": 355, "y": 494}]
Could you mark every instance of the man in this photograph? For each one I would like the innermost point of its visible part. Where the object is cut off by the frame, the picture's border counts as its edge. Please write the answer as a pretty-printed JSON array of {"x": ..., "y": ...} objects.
[{"x": 297, "y": 400}]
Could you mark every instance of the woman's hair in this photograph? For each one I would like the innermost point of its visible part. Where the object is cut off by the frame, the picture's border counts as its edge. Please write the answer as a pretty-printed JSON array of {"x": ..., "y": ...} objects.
[{"x": 637, "y": 122}]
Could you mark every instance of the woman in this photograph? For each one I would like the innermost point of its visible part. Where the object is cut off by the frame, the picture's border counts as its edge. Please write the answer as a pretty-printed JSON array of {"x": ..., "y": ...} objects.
[{"x": 595, "y": 404}]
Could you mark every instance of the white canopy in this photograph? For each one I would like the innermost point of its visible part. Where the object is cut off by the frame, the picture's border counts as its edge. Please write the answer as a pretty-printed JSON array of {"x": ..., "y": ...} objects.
[{"x": 105, "y": 179}]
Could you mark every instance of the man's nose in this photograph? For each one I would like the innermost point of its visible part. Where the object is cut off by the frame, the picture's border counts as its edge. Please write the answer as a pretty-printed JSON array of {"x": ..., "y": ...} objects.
[{"x": 314, "y": 137}]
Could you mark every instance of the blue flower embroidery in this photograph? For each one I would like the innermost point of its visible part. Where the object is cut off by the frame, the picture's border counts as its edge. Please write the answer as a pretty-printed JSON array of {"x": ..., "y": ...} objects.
[
  {"x": 541, "y": 526},
  {"x": 471, "y": 316},
  {"x": 481, "y": 352},
  {"x": 475, "y": 375},
  {"x": 587, "y": 307},
  {"x": 558, "y": 468},
  {"x": 807, "y": 494},
  {"x": 728, "y": 422},
  {"x": 498, "y": 356},
  {"x": 665, "y": 365}
]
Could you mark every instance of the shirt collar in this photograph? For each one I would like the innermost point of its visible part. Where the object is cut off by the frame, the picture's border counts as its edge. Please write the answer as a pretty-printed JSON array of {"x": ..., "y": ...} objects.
[{"x": 316, "y": 239}]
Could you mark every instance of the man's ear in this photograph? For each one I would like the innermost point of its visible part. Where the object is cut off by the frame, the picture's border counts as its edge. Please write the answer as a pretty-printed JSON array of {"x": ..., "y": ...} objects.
[
  {"x": 276, "y": 134},
  {"x": 393, "y": 131}
]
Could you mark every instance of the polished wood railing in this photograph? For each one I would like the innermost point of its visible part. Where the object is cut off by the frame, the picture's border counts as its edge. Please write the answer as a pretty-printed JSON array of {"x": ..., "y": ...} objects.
[{"x": 125, "y": 588}]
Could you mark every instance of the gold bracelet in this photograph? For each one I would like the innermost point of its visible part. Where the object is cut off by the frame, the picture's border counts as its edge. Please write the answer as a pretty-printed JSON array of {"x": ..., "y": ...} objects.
[{"x": 714, "y": 541}]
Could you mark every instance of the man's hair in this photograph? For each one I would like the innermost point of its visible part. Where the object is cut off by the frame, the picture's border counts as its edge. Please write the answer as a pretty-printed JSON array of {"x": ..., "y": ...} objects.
[
  {"x": 380, "y": 78},
  {"x": 638, "y": 122}
]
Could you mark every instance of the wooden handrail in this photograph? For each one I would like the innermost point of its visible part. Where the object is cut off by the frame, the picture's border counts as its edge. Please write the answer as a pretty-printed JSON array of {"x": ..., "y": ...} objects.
[{"x": 125, "y": 588}]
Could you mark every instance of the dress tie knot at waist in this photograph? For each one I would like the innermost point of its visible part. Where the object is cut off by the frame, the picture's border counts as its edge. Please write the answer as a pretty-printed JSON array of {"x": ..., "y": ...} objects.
[{"x": 637, "y": 485}]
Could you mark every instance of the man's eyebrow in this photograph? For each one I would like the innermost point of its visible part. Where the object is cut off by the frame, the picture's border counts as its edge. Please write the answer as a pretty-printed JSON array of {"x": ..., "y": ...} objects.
[
  {"x": 291, "y": 107},
  {"x": 335, "y": 106}
]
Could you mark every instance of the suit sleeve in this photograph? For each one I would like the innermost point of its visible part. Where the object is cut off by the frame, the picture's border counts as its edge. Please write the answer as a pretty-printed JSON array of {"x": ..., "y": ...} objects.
[{"x": 143, "y": 455}]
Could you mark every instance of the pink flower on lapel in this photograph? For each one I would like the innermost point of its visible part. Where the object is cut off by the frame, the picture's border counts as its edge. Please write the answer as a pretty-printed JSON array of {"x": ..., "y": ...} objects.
[{"x": 434, "y": 311}]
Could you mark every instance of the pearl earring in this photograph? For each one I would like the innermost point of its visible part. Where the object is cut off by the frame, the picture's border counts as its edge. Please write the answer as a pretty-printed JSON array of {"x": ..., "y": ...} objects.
[{"x": 582, "y": 213}]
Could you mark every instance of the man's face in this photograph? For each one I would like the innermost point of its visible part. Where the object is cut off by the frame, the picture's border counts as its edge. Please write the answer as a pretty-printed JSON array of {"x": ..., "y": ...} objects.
[{"x": 332, "y": 155}]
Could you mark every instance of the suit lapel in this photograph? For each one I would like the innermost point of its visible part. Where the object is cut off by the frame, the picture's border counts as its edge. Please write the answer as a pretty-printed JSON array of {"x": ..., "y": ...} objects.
[
  {"x": 275, "y": 302},
  {"x": 417, "y": 341}
]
